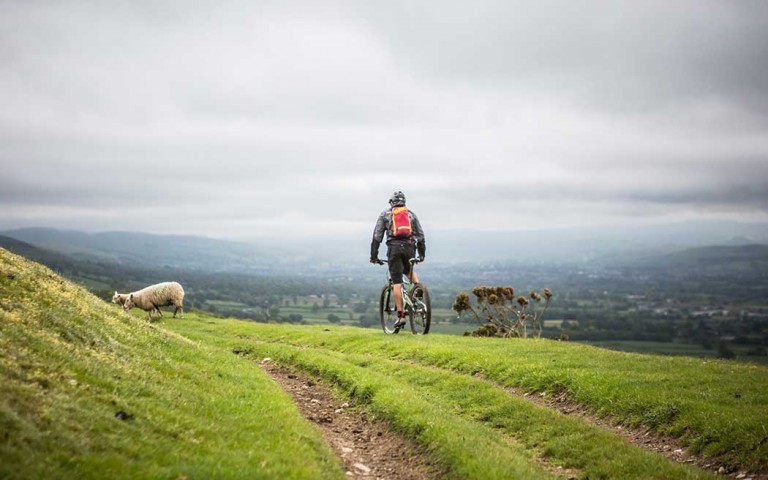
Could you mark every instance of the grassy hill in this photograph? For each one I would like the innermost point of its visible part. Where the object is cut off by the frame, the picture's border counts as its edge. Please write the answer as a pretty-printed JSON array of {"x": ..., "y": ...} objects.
[{"x": 89, "y": 391}]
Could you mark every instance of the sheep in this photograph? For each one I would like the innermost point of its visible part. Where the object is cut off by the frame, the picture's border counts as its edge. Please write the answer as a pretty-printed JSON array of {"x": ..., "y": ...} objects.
[{"x": 153, "y": 297}]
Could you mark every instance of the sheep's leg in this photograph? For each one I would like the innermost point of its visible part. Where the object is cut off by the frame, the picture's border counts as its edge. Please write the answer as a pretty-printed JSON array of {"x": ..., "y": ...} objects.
[
  {"x": 160, "y": 312},
  {"x": 178, "y": 308}
]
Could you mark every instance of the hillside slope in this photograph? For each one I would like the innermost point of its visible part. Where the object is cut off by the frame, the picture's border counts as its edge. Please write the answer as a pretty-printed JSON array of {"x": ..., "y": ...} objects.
[{"x": 88, "y": 391}]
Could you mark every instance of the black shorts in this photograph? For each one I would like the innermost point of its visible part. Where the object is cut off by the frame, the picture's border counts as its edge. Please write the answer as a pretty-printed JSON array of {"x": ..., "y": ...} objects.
[{"x": 398, "y": 256}]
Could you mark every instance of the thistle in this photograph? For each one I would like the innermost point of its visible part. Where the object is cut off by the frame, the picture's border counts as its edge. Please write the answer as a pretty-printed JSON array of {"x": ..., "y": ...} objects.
[
  {"x": 461, "y": 303},
  {"x": 480, "y": 292},
  {"x": 498, "y": 313}
]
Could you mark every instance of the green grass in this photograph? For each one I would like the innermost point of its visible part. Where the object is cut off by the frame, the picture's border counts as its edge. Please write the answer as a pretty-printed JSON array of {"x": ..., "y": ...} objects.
[
  {"x": 69, "y": 362},
  {"x": 203, "y": 408},
  {"x": 474, "y": 429},
  {"x": 716, "y": 407}
]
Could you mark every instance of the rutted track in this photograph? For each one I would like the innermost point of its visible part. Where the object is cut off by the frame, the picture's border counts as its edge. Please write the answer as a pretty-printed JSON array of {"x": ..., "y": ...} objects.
[
  {"x": 368, "y": 448},
  {"x": 668, "y": 447},
  {"x": 388, "y": 460},
  {"x": 508, "y": 423},
  {"x": 454, "y": 400},
  {"x": 718, "y": 410}
]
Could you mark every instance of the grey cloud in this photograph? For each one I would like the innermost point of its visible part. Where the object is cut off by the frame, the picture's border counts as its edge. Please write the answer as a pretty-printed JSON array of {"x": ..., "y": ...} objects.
[
  {"x": 297, "y": 116},
  {"x": 625, "y": 55},
  {"x": 734, "y": 185}
]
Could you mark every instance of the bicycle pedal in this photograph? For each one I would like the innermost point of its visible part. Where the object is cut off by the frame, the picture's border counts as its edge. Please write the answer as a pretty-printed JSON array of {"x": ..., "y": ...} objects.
[{"x": 399, "y": 325}]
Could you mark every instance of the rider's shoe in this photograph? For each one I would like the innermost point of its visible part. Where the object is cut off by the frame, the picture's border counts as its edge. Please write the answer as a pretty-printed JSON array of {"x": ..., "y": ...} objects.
[{"x": 400, "y": 323}]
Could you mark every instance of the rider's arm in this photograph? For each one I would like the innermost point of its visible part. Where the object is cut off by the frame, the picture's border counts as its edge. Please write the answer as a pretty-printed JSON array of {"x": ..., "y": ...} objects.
[{"x": 378, "y": 236}]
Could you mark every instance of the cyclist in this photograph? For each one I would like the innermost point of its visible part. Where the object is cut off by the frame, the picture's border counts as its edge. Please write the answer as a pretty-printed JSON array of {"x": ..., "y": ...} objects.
[{"x": 401, "y": 247}]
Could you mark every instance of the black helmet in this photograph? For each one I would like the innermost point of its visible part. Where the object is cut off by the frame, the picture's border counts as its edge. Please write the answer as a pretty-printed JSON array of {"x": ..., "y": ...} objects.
[{"x": 397, "y": 199}]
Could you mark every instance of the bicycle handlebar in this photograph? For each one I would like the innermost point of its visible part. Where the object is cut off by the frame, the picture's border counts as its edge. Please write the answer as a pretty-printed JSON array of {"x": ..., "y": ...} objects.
[{"x": 412, "y": 261}]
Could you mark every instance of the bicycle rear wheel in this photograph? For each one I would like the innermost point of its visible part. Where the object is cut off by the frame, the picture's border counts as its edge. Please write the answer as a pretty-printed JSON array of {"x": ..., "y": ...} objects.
[
  {"x": 421, "y": 315},
  {"x": 387, "y": 310}
]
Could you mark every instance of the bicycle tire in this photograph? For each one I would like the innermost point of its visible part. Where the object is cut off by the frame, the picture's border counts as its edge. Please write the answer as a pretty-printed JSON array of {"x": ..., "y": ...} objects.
[
  {"x": 387, "y": 310},
  {"x": 421, "y": 315}
]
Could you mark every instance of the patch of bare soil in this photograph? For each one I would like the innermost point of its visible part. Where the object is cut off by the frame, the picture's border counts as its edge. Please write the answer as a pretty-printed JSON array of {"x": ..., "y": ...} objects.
[
  {"x": 667, "y": 446},
  {"x": 368, "y": 448}
]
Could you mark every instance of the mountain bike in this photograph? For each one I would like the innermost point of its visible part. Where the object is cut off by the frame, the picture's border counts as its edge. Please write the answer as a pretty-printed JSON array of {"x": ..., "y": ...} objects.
[{"x": 416, "y": 304}]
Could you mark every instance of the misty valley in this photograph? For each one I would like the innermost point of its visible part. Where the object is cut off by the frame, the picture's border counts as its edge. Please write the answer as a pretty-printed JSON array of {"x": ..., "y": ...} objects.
[{"x": 709, "y": 301}]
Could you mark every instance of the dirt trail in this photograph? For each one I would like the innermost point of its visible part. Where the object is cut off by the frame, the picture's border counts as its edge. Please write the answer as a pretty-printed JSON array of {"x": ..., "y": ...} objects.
[
  {"x": 667, "y": 446},
  {"x": 368, "y": 449}
]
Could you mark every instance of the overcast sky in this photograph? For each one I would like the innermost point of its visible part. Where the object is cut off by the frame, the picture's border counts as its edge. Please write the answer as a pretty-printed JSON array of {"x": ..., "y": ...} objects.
[{"x": 273, "y": 118}]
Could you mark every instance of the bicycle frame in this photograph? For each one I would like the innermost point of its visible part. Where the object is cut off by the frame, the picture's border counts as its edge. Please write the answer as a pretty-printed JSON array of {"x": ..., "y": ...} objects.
[{"x": 416, "y": 305}]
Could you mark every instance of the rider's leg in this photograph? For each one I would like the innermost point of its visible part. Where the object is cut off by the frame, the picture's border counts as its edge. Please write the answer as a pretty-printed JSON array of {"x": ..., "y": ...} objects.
[
  {"x": 397, "y": 267},
  {"x": 408, "y": 266},
  {"x": 397, "y": 289}
]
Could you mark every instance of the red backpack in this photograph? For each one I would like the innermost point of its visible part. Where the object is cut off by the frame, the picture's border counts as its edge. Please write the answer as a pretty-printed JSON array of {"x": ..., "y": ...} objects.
[{"x": 401, "y": 222}]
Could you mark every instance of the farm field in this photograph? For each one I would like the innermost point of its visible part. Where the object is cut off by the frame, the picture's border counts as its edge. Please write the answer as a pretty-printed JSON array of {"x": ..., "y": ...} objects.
[
  {"x": 660, "y": 348},
  {"x": 90, "y": 391},
  {"x": 677, "y": 349}
]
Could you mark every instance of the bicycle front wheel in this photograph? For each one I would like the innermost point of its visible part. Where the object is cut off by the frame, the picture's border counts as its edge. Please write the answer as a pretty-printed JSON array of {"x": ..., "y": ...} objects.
[
  {"x": 421, "y": 318},
  {"x": 387, "y": 310}
]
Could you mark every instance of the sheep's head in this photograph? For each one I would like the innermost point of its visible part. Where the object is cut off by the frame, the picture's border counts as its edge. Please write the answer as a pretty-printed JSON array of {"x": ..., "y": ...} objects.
[
  {"x": 118, "y": 298},
  {"x": 128, "y": 303}
]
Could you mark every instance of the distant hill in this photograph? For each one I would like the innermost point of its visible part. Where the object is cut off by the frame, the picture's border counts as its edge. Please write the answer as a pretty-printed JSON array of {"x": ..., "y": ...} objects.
[
  {"x": 300, "y": 255},
  {"x": 53, "y": 259},
  {"x": 148, "y": 250},
  {"x": 93, "y": 272},
  {"x": 17, "y": 246},
  {"x": 718, "y": 258}
]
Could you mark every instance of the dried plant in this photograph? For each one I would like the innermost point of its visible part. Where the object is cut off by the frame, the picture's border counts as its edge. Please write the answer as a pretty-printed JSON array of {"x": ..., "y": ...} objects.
[{"x": 501, "y": 314}]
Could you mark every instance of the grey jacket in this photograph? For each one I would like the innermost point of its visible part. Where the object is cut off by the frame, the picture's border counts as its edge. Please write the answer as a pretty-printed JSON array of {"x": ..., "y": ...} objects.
[{"x": 384, "y": 227}]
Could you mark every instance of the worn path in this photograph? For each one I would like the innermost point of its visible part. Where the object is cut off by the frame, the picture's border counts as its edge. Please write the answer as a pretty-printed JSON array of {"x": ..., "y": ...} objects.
[{"x": 369, "y": 449}]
